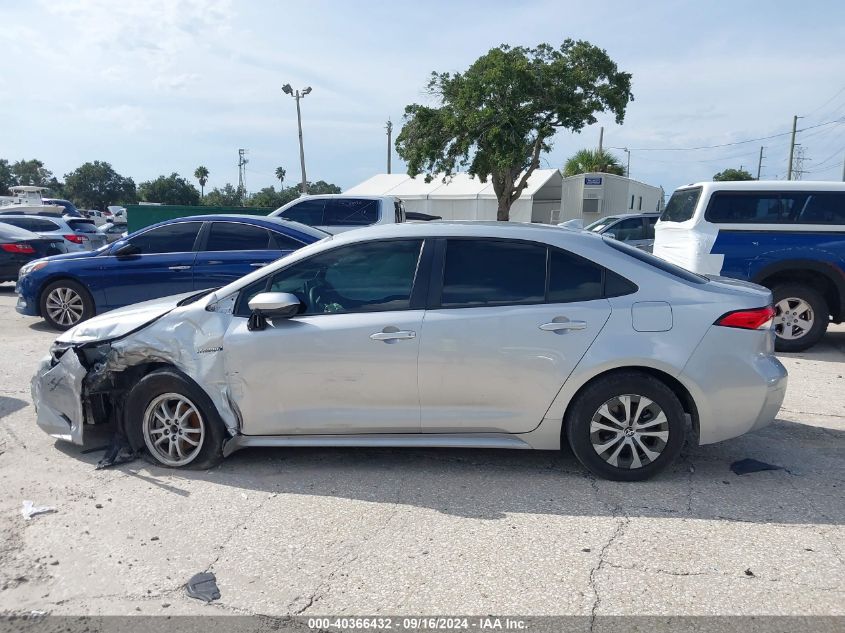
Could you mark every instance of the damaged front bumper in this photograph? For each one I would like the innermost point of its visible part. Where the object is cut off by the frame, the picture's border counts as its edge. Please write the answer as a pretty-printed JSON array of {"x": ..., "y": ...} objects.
[{"x": 57, "y": 394}]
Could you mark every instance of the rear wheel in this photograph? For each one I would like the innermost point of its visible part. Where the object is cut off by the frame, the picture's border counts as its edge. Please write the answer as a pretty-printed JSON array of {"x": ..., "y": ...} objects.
[
  {"x": 801, "y": 317},
  {"x": 626, "y": 426},
  {"x": 175, "y": 421},
  {"x": 65, "y": 303}
]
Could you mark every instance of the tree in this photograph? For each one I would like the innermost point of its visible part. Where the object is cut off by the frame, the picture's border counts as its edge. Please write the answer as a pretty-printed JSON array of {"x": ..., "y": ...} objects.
[
  {"x": 32, "y": 172},
  {"x": 172, "y": 189},
  {"x": 588, "y": 160},
  {"x": 96, "y": 186},
  {"x": 201, "y": 174},
  {"x": 732, "y": 174},
  {"x": 7, "y": 179},
  {"x": 280, "y": 174},
  {"x": 228, "y": 196},
  {"x": 496, "y": 118},
  {"x": 269, "y": 198},
  {"x": 320, "y": 187}
]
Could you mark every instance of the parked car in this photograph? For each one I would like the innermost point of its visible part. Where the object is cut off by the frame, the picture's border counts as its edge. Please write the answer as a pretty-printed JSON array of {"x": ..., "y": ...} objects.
[
  {"x": 431, "y": 335},
  {"x": 335, "y": 213},
  {"x": 19, "y": 247},
  {"x": 178, "y": 255},
  {"x": 787, "y": 236},
  {"x": 636, "y": 229},
  {"x": 113, "y": 231},
  {"x": 68, "y": 208},
  {"x": 76, "y": 234}
]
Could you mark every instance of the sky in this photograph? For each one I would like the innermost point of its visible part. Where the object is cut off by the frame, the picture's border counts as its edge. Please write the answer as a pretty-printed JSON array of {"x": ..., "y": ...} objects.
[{"x": 161, "y": 86}]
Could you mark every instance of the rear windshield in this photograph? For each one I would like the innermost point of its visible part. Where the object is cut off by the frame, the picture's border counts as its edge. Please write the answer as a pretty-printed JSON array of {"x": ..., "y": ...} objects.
[
  {"x": 656, "y": 262},
  {"x": 681, "y": 205},
  {"x": 83, "y": 226}
]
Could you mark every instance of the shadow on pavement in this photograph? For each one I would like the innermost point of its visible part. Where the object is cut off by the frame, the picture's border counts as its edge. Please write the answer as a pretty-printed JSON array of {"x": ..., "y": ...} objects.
[
  {"x": 10, "y": 405},
  {"x": 490, "y": 484}
]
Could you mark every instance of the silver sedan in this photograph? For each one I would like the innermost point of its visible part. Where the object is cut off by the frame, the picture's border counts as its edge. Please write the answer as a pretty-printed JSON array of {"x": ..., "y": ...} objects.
[{"x": 435, "y": 335}]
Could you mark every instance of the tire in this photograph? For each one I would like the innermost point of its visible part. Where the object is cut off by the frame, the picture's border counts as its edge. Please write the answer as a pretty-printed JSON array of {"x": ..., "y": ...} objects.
[
  {"x": 65, "y": 303},
  {"x": 166, "y": 412},
  {"x": 809, "y": 314},
  {"x": 653, "y": 448}
]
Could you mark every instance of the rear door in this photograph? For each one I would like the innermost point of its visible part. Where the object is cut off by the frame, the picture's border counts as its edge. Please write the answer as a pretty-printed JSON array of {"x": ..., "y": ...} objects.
[
  {"x": 233, "y": 249},
  {"x": 498, "y": 342},
  {"x": 162, "y": 266}
]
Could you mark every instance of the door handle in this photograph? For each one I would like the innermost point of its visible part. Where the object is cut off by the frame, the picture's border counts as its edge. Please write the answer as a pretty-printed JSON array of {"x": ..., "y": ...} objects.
[
  {"x": 258, "y": 264},
  {"x": 557, "y": 326},
  {"x": 212, "y": 262},
  {"x": 178, "y": 267},
  {"x": 401, "y": 335}
]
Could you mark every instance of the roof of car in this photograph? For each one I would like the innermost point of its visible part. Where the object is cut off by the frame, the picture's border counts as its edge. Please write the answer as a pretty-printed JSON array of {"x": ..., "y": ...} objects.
[
  {"x": 9, "y": 232},
  {"x": 268, "y": 222}
]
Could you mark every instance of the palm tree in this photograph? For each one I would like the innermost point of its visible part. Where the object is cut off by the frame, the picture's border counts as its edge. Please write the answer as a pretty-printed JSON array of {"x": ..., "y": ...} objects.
[
  {"x": 201, "y": 174},
  {"x": 280, "y": 174},
  {"x": 590, "y": 160}
]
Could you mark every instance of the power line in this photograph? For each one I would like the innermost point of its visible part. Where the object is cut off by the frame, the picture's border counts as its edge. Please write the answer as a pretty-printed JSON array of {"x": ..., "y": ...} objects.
[
  {"x": 750, "y": 140},
  {"x": 841, "y": 90}
]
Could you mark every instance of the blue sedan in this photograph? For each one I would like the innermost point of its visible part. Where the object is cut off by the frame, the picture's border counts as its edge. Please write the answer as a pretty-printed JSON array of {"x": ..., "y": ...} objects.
[{"x": 181, "y": 255}]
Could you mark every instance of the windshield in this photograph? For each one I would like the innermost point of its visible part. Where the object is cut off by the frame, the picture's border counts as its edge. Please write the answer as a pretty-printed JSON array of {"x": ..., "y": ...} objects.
[
  {"x": 681, "y": 205},
  {"x": 598, "y": 225}
]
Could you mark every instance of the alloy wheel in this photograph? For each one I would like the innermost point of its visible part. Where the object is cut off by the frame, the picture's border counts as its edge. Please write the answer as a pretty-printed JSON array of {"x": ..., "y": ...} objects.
[
  {"x": 173, "y": 429},
  {"x": 64, "y": 306},
  {"x": 629, "y": 431},
  {"x": 794, "y": 317}
]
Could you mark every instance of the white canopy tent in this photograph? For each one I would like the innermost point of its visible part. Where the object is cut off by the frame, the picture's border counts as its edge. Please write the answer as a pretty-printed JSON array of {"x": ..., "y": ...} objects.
[{"x": 464, "y": 197}]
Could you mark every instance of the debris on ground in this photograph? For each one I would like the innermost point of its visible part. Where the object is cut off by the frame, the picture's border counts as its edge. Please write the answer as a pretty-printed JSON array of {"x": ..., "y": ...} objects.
[
  {"x": 30, "y": 510},
  {"x": 203, "y": 586},
  {"x": 749, "y": 573},
  {"x": 118, "y": 452},
  {"x": 748, "y": 465}
]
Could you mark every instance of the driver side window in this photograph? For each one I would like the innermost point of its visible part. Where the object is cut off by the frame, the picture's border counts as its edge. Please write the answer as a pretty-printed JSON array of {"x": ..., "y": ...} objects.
[{"x": 368, "y": 277}]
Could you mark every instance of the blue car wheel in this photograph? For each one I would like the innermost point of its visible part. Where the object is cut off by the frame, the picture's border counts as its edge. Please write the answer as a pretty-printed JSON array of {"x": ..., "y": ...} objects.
[{"x": 65, "y": 303}]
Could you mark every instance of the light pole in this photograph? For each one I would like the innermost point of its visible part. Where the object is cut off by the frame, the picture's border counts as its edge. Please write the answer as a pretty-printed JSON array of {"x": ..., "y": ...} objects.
[
  {"x": 627, "y": 169},
  {"x": 299, "y": 95}
]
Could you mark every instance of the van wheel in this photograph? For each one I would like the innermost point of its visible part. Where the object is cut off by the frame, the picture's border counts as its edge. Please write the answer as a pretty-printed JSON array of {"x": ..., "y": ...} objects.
[
  {"x": 626, "y": 426},
  {"x": 175, "y": 421},
  {"x": 65, "y": 303},
  {"x": 801, "y": 317}
]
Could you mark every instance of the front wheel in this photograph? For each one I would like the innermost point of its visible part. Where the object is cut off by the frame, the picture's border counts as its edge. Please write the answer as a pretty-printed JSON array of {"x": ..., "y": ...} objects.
[
  {"x": 175, "y": 421},
  {"x": 801, "y": 317},
  {"x": 626, "y": 426},
  {"x": 65, "y": 303}
]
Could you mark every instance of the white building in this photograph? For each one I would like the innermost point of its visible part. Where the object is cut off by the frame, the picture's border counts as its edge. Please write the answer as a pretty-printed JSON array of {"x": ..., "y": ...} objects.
[
  {"x": 596, "y": 195},
  {"x": 463, "y": 197}
]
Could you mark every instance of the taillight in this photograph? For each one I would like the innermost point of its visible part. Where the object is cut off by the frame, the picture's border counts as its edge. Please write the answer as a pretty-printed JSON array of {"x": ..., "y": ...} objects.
[
  {"x": 76, "y": 239},
  {"x": 755, "y": 319},
  {"x": 20, "y": 248}
]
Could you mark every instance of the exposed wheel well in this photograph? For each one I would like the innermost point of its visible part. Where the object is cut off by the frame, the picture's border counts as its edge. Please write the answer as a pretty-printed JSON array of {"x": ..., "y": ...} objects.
[
  {"x": 131, "y": 375},
  {"x": 813, "y": 279},
  {"x": 670, "y": 381}
]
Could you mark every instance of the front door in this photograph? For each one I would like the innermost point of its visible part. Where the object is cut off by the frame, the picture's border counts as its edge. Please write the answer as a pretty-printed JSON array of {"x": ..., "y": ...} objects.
[
  {"x": 348, "y": 362},
  {"x": 499, "y": 346},
  {"x": 162, "y": 266}
]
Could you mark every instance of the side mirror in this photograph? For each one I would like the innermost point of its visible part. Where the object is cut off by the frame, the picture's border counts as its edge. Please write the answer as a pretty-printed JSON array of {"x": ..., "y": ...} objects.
[
  {"x": 271, "y": 305},
  {"x": 126, "y": 250}
]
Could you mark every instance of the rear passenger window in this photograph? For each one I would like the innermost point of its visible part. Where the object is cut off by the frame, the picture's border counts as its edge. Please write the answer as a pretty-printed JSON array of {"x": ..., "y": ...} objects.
[
  {"x": 491, "y": 272},
  {"x": 628, "y": 230},
  {"x": 824, "y": 208},
  {"x": 351, "y": 212},
  {"x": 572, "y": 278},
  {"x": 233, "y": 236},
  {"x": 308, "y": 212}
]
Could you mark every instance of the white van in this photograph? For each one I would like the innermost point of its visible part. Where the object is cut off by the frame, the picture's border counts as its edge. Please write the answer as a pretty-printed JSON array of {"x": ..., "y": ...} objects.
[{"x": 786, "y": 235}]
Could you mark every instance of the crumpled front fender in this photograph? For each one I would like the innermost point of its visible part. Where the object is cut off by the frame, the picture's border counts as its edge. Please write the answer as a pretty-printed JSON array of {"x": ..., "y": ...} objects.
[{"x": 57, "y": 394}]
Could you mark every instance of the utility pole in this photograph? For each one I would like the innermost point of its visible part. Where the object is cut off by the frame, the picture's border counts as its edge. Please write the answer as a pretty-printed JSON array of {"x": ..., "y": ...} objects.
[
  {"x": 792, "y": 148},
  {"x": 760, "y": 163},
  {"x": 628, "y": 168},
  {"x": 242, "y": 161},
  {"x": 389, "y": 128},
  {"x": 601, "y": 139},
  {"x": 299, "y": 94}
]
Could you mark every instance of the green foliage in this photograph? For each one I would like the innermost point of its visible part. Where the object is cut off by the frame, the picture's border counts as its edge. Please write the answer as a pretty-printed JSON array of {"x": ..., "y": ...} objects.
[
  {"x": 269, "y": 197},
  {"x": 732, "y": 174},
  {"x": 201, "y": 174},
  {"x": 96, "y": 186},
  {"x": 495, "y": 119},
  {"x": 589, "y": 160},
  {"x": 7, "y": 179},
  {"x": 172, "y": 189},
  {"x": 32, "y": 172},
  {"x": 319, "y": 187},
  {"x": 228, "y": 196}
]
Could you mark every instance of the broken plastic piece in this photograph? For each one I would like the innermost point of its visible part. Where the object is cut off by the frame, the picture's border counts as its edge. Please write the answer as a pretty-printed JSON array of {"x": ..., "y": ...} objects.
[
  {"x": 30, "y": 510},
  {"x": 203, "y": 586},
  {"x": 119, "y": 452},
  {"x": 748, "y": 465}
]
